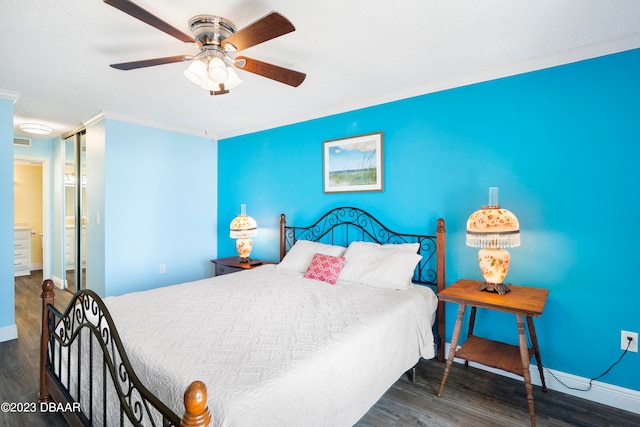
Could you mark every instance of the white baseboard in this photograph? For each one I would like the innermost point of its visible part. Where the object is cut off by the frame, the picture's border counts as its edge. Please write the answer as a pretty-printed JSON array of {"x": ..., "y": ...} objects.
[
  {"x": 8, "y": 333},
  {"x": 35, "y": 266},
  {"x": 606, "y": 394},
  {"x": 59, "y": 283}
]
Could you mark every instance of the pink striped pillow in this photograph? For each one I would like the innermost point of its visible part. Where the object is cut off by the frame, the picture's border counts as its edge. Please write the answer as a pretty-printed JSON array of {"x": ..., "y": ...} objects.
[{"x": 326, "y": 268}]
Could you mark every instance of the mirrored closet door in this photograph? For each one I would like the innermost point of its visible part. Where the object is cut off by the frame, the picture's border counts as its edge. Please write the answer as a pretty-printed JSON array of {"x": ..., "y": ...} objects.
[{"x": 75, "y": 215}]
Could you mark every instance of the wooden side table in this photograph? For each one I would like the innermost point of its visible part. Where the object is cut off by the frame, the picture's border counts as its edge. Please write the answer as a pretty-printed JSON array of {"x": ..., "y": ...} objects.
[
  {"x": 231, "y": 265},
  {"x": 524, "y": 302}
]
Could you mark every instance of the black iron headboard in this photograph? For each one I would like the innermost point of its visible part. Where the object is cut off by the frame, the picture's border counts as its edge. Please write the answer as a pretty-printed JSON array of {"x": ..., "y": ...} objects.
[{"x": 344, "y": 225}]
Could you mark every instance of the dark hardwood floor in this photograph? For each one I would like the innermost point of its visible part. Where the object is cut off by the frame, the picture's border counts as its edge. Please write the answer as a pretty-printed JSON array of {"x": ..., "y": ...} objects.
[
  {"x": 472, "y": 397},
  {"x": 19, "y": 358}
]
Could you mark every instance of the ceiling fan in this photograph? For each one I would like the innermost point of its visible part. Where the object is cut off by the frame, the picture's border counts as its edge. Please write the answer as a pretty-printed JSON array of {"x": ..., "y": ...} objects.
[{"x": 218, "y": 40}]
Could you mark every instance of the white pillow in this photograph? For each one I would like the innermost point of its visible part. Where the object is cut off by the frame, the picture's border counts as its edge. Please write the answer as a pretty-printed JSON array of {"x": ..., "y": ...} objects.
[
  {"x": 380, "y": 266},
  {"x": 300, "y": 255},
  {"x": 401, "y": 247}
]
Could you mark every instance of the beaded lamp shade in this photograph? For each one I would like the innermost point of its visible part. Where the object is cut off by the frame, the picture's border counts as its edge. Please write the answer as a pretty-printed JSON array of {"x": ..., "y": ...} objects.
[
  {"x": 242, "y": 228},
  {"x": 493, "y": 228}
]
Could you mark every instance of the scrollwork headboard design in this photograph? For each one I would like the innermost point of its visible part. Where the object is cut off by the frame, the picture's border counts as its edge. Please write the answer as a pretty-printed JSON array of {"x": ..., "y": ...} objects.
[{"x": 343, "y": 225}]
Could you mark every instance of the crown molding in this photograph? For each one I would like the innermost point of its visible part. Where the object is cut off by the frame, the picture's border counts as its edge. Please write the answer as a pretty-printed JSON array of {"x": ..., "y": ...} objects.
[
  {"x": 556, "y": 59},
  {"x": 138, "y": 121},
  {"x": 10, "y": 95}
]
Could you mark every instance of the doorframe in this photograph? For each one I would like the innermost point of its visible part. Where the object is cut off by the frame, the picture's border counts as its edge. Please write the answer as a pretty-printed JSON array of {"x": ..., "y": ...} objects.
[{"x": 46, "y": 207}]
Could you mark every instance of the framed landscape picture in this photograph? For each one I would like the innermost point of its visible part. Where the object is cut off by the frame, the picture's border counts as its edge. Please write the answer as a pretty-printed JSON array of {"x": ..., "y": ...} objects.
[{"x": 353, "y": 164}]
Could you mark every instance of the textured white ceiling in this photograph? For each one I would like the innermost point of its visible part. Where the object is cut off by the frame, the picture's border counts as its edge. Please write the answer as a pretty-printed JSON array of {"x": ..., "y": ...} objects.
[{"x": 56, "y": 55}]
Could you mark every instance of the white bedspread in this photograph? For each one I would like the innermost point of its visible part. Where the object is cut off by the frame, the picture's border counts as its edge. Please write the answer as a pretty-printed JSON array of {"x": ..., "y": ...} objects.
[{"x": 273, "y": 348}]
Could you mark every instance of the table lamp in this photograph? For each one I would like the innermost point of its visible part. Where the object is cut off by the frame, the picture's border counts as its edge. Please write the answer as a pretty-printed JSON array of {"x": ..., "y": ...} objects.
[
  {"x": 492, "y": 228},
  {"x": 242, "y": 228}
]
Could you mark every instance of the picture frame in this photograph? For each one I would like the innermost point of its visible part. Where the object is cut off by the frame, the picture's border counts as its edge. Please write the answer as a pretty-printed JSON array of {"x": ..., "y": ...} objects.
[{"x": 353, "y": 164}]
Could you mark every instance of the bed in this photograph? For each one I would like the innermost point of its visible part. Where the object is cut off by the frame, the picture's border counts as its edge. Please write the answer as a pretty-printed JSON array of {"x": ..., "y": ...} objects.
[{"x": 285, "y": 344}]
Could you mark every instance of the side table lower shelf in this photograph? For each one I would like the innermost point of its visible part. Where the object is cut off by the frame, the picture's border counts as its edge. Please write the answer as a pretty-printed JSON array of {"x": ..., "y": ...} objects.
[
  {"x": 492, "y": 353},
  {"x": 522, "y": 301}
]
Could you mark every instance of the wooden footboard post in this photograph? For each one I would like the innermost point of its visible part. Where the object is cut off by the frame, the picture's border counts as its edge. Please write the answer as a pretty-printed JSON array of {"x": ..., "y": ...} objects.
[
  {"x": 47, "y": 298},
  {"x": 441, "y": 248},
  {"x": 196, "y": 412},
  {"x": 283, "y": 223}
]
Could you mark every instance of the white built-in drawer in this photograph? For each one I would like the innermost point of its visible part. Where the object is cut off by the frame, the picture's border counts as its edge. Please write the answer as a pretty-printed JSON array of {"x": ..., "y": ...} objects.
[
  {"x": 22, "y": 252},
  {"x": 20, "y": 243},
  {"x": 21, "y": 263}
]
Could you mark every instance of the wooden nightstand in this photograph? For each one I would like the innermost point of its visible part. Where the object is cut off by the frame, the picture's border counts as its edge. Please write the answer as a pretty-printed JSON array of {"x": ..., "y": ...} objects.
[
  {"x": 524, "y": 302},
  {"x": 231, "y": 265}
]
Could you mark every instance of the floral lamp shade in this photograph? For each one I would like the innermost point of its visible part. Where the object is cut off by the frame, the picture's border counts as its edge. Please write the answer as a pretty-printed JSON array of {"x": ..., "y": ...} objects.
[
  {"x": 493, "y": 228},
  {"x": 242, "y": 228}
]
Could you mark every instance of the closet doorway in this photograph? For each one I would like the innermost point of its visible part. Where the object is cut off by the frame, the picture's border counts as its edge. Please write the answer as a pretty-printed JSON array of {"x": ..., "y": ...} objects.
[{"x": 32, "y": 208}]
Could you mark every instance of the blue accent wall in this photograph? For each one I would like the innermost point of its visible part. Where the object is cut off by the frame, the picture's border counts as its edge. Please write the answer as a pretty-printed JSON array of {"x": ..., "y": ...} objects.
[
  {"x": 95, "y": 206},
  {"x": 563, "y": 146},
  {"x": 7, "y": 290},
  {"x": 157, "y": 205}
]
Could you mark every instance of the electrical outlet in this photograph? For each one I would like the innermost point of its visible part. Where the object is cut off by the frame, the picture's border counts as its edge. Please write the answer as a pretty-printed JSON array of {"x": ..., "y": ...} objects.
[
  {"x": 624, "y": 341},
  {"x": 163, "y": 269}
]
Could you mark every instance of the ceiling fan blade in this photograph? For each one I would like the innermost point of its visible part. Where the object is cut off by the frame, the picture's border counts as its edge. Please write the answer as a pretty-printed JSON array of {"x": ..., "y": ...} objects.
[
  {"x": 269, "y": 27},
  {"x": 270, "y": 71},
  {"x": 139, "y": 13},
  {"x": 151, "y": 62}
]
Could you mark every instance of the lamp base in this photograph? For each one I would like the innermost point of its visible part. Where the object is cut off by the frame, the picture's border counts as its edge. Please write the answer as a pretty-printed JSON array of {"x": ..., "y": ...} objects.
[
  {"x": 244, "y": 260},
  {"x": 494, "y": 265},
  {"x": 244, "y": 246},
  {"x": 501, "y": 288}
]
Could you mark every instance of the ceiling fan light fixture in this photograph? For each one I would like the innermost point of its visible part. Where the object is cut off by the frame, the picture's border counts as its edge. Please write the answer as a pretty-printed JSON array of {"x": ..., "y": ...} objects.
[
  {"x": 217, "y": 37},
  {"x": 197, "y": 73},
  {"x": 35, "y": 128},
  {"x": 210, "y": 77},
  {"x": 218, "y": 71},
  {"x": 233, "y": 79}
]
